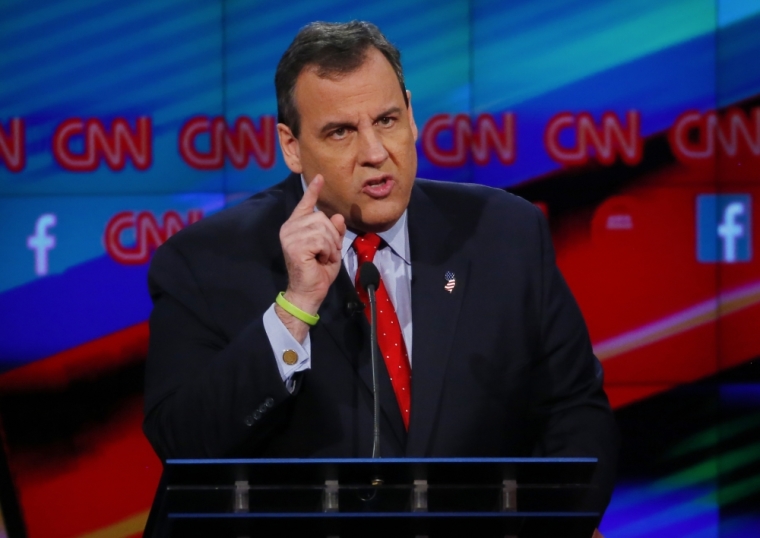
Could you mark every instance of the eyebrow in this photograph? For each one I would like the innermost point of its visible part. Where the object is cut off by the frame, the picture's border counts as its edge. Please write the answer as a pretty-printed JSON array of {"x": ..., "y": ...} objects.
[
  {"x": 334, "y": 125},
  {"x": 390, "y": 111},
  {"x": 338, "y": 124}
]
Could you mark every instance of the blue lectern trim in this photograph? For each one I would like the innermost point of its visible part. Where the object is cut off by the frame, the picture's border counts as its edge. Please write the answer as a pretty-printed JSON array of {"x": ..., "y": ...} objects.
[
  {"x": 320, "y": 461},
  {"x": 369, "y": 515}
]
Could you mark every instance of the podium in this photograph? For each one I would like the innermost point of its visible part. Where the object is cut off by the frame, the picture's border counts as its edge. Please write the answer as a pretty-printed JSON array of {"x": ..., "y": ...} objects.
[{"x": 431, "y": 497}]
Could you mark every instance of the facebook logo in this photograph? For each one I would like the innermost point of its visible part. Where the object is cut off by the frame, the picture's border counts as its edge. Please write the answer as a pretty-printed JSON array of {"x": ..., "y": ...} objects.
[
  {"x": 41, "y": 242},
  {"x": 724, "y": 228}
]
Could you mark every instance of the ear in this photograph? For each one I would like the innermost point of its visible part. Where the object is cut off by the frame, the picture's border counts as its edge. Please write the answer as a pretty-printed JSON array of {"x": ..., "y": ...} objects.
[
  {"x": 291, "y": 151},
  {"x": 411, "y": 115}
]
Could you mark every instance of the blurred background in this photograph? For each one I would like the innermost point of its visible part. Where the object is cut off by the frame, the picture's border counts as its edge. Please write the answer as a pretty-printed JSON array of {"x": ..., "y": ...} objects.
[{"x": 634, "y": 125}]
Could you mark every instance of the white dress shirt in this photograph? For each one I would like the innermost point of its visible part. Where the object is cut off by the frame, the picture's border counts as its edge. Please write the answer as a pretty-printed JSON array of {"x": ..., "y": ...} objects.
[{"x": 395, "y": 267}]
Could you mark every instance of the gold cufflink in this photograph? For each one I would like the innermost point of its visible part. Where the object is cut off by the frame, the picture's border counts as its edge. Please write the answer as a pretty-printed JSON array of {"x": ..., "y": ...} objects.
[{"x": 289, "y": 357}]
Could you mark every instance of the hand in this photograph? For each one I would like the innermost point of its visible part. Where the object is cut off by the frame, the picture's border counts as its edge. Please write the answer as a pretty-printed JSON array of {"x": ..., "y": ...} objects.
[{"x": 311, "y": 244}]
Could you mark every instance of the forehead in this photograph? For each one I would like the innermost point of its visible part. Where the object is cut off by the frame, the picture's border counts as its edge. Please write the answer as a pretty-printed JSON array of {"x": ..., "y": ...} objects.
[{"x": 373, "y": 85}]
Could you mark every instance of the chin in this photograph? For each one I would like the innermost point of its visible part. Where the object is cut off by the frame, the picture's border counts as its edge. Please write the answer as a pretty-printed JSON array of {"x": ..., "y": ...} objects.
[
  {"x": 375, "y": 225},
  {"x": 375, "y": 219}
]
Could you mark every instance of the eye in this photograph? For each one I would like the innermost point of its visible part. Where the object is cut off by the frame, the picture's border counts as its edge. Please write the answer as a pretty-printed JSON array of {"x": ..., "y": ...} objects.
[
  {"x": 386, "y": 121},
  {"x": 339, "y": 133}
]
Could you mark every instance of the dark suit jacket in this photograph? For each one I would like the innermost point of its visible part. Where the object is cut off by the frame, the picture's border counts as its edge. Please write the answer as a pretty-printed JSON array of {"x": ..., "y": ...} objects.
[{"x": 502, "y": 366}]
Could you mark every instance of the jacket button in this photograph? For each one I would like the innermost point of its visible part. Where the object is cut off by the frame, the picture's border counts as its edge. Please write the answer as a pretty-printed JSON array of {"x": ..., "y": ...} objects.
[
  {"x": 262, "y": 409},
  {"x": 257, "y": 415},
  {"x": 249, "y": 420},
  {"x": 269, "y": 402}
]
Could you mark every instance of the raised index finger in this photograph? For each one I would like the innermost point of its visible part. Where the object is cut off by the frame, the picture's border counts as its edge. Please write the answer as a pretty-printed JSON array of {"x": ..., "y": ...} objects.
[{"x": 310, "y": 197}]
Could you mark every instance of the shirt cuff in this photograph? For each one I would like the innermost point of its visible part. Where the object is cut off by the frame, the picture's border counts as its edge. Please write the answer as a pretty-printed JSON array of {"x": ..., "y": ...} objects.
[{"x": 283, "y": 342}]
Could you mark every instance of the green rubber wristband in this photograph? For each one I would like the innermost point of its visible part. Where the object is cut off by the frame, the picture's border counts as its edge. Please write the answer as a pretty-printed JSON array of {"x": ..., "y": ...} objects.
[{"x": 294, "y": 311}]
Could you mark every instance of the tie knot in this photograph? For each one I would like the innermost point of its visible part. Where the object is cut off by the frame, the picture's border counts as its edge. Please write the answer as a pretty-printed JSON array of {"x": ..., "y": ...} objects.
[{"x": 365, "y": 246}]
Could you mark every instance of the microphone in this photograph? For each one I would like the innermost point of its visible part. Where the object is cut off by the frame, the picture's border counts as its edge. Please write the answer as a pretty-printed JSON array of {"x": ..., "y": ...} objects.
[
  {"x": 369, "y": 279},
  {"x": 369, "y": 276},
  {"x": 353, "y": 308}
]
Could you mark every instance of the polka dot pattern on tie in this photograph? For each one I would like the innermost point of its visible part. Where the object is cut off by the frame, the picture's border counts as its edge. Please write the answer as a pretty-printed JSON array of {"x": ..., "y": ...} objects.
[{"x": 391, "y": 342}]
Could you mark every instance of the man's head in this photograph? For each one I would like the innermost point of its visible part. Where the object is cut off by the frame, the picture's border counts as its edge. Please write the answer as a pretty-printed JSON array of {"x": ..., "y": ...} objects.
[{"x": 344, "y": 113}]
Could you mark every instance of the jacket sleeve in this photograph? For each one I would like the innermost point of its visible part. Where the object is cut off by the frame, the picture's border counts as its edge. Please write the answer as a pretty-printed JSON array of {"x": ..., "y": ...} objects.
[
  {"x": 572, "y": 410},
  {"x": 206, "y": 395}
]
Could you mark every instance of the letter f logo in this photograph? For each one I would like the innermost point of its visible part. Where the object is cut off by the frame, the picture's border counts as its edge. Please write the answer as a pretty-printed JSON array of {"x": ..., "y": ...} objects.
[
  {"x": 730, "y": 230},
  {"x": 41, "y": 242},
  {"x": 724, "y": 229}
]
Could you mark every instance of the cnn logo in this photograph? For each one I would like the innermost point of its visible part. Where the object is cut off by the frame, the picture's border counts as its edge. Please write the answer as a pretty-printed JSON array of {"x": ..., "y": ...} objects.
[
  {"x": 147, "y": 232},
  {"x": 479, "y": 139},
  {"x": 237, "y": 143},
  {"x": 113, "y": 144}
]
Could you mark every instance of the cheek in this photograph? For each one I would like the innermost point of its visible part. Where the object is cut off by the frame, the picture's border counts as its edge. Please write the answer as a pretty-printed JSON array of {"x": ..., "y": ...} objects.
[
  {"x": 336, "y": 169},
  {"x": 337, "y": 160},
  {"x": 402, "y": 145},
  {"x": 339, "y": 191}
]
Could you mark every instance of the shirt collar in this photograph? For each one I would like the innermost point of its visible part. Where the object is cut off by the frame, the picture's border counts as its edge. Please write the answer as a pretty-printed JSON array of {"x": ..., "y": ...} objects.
[{"x": 397, "y": 237}]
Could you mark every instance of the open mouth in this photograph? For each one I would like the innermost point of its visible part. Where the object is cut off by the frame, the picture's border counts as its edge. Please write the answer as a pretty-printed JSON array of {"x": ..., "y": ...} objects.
[{"x": 378, "y": 187}]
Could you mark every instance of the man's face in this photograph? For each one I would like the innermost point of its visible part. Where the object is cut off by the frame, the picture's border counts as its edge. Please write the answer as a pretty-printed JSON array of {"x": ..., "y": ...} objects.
[{"x": 356, "y": 131}]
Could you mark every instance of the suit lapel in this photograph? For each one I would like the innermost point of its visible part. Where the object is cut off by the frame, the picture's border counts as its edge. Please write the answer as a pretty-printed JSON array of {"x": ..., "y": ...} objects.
[
  {"x": 351, "y": 332},
  {"x": 434, "y": 312}
]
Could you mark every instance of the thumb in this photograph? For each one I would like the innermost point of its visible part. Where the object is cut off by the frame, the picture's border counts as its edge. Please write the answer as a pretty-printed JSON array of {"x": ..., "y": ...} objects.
[{"x": 340, "y": 224}]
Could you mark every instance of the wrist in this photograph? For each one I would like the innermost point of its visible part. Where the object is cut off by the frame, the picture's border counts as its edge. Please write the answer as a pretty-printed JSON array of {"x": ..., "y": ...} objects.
[
  {"x": 295, "y": 311},
  {"x": 305, "y": 302},
  {"x": 296, "y": 318},
  {"x": 297, "y": 328}
]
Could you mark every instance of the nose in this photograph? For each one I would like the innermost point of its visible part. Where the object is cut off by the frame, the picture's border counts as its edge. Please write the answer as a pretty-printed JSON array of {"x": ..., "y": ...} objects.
[{"x": 372, "y": 151}]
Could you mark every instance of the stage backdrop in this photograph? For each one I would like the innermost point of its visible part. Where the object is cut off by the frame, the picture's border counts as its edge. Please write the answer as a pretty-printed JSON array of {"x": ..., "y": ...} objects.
[{"x": 634, "y": 125}]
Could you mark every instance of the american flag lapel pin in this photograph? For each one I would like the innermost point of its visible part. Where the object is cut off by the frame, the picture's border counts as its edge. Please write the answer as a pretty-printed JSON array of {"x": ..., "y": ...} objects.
[{"x": 450, "y": 281}]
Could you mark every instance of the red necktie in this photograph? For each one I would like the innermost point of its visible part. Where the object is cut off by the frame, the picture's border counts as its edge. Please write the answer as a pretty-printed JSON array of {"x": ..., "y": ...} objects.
[{"x": 389, "y": 336}]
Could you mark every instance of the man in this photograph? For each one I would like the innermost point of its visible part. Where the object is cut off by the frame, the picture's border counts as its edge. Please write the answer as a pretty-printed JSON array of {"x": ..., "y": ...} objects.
[{"x": 485, "y": 351}]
